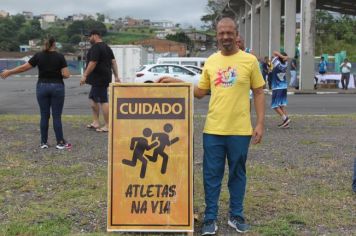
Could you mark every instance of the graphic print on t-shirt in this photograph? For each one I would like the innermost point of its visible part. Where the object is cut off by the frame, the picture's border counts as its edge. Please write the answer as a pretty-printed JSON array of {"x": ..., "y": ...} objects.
[{"x": 226, "y": 78}]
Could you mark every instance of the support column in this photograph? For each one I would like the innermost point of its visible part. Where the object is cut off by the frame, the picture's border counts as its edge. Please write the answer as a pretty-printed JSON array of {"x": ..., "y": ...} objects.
[
  {"x": 248, "y": 26},
  {"x": 290, "y": 26},
  {"x": 264, "y": 29},
  {"x": 242, "y": 23},
  {"x": 255, "y": 27},
  {"x": 307, "y": 44},
  {"x": 275, "y": 25}
]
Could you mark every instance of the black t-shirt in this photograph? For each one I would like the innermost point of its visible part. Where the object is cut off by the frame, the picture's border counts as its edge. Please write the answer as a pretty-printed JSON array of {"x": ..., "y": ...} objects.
[
  {"x": 49, "y": 66},
  {"x": 265, "y": 67},
  {"x": 103, "y": 55}
]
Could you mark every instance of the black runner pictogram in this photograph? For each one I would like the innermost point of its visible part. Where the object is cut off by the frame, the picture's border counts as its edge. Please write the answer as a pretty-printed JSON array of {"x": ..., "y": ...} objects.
[
  {"x": 159, "y": 141},
  {"x": 139, "y": 145},
  {"x": 164, "y": 141}
]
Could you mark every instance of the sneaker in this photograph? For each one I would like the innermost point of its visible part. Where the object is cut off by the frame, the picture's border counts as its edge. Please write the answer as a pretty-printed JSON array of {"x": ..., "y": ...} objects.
[
  {"x": 43, "y": 145},
  {"x": 284, "y": 123},
  {"x": 62, "y": 146},
  {"x": 209, "y": 227},
  {"x": 285, "y": 127},
  {"x": 239, "y": 224}
]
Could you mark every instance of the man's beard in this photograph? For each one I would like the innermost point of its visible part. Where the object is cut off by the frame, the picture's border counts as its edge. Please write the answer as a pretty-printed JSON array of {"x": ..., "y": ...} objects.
[{"x": 227, "y": 47}]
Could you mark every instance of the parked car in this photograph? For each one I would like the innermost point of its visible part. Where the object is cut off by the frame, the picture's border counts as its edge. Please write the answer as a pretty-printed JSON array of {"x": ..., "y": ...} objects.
[
  {"x": 152, "y": 73},
  {"x": 196, "y": 69}
]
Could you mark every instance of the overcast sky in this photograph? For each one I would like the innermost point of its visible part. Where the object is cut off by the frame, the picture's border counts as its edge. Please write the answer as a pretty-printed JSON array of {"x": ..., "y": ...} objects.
[{"x": 187, "y": 12}]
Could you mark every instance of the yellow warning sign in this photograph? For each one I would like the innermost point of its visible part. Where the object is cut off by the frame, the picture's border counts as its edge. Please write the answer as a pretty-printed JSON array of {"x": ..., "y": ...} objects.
[{"x": 150, "y": 185}]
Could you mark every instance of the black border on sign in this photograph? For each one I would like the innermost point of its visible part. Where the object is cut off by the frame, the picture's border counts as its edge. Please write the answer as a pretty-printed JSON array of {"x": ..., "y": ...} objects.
[{"x": 189, "y": 140}]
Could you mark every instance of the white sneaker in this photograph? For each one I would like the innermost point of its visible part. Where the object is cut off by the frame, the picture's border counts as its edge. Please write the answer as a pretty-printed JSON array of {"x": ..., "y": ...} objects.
[
  {"x": 43, "y": 145},
  {"x": 62, "y": 146}
]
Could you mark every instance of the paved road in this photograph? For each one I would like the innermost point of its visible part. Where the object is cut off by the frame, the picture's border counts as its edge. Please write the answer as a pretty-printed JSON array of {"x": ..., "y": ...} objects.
[{"x": 17, "y": 96}]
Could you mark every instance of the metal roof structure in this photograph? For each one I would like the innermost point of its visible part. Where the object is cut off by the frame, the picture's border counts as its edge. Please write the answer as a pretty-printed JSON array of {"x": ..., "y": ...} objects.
[{"x": 341, "y": 6}]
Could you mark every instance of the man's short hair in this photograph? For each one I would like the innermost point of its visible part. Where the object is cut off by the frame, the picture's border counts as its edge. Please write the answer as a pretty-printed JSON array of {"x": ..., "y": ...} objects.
[
  {"x": 227, "y": 18},
  {"x": 94, "y": 32}
]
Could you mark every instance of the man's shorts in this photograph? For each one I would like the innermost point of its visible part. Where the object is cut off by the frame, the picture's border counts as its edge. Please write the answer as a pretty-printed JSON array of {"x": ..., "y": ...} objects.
[
  {"x": 99, "y": 94},
  {"x": 279, "y": 98}
]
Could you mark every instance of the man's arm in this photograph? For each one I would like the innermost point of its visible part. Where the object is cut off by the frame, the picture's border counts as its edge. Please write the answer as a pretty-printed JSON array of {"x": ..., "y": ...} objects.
[
  {"x": 198, "y": 93},
  {"x": 115, "y": 70},
  {"x": 91, "y": 66},
  {"x": 259, "y": 101},
  {"x": 278, "y": 54}
]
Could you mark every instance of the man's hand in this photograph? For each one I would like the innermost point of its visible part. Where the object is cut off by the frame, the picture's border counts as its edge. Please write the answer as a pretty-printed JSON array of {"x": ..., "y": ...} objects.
[
  {"x": 117, "y": 80},
  {"x": 5, "y": 73},
  {"x": 257, "y": 134},
  {"x": 167, "y": 79},
  {"x": 83, "y": 80}
]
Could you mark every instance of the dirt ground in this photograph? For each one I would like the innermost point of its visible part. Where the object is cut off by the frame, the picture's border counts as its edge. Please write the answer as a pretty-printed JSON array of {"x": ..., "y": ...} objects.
[{"x": 299, "y": 179}]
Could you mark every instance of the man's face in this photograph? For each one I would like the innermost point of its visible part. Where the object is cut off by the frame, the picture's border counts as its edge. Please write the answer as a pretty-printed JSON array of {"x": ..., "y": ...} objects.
[
  {"x": 92, "y": 39},
  {"x": 226, "y": 36}
]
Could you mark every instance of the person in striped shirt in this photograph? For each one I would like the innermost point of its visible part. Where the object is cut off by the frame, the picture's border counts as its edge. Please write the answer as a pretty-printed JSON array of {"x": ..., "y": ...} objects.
[{"x": 279, "y": 87}]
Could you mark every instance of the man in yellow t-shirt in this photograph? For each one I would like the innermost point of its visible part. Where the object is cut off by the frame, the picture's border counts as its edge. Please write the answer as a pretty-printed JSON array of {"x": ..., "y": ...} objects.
[{"x": 229, "y": 74}]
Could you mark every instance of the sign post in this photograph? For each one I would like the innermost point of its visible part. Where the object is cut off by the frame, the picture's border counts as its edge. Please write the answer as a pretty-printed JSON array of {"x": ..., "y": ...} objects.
[{"x": 150, "y": 177}]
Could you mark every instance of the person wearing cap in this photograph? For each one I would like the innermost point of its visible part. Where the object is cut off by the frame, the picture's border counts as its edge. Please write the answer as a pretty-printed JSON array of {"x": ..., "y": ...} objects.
[{"x": 98, "y": 73}]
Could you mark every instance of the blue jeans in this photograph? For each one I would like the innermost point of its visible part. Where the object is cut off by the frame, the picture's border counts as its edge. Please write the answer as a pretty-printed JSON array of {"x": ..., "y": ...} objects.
[
  {"x": 218, "y": 148},
  {"x": 50, "y": 95}
]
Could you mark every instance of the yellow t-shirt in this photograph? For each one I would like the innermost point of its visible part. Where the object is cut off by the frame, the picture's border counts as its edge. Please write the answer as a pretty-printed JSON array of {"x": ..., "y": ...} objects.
[{"x": 230, "y": 79}]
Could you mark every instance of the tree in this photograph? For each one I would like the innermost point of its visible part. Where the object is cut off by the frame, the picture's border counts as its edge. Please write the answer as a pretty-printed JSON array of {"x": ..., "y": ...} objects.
[
  {"x": 100, "y": 17},
  {"x": 213, "y": 11},
  {"x": 19, "y": 20},
  {"x": 84, "y": 26},
  {"x": 334, "y": 34},
  {"x": 182, "y": 38}
]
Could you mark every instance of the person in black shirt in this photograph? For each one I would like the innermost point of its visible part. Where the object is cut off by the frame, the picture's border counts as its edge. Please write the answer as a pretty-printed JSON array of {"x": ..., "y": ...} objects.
[
  {"x": 52, "y": 69},
  {"x": 265, "y": 69},
  {"x": 98, "y": 73}
]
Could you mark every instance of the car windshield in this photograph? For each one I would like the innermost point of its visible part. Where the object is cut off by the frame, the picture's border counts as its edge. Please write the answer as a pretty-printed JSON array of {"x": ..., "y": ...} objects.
[
  {"x": 141, "y": 68},
  {"x": 195, "y": 69},
  {"x": 159, "y": 69},
  {"x": 179, "y": 70}
]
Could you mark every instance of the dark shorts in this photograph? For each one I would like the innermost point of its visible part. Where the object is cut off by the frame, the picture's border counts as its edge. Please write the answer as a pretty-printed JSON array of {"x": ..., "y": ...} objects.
[
  {"x": 99, "y": 94},
  {"x": 279, "y": 98}
]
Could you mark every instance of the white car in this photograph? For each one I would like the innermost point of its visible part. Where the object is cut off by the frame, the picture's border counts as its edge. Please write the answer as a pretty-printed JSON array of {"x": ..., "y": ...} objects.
[
  {"x": 196, "y": 69},
  {"x": 152, "y": 73}
]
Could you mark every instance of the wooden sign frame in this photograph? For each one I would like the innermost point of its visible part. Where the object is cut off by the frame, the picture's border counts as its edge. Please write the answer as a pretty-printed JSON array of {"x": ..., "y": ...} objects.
[{"x": 150, "y": 158}]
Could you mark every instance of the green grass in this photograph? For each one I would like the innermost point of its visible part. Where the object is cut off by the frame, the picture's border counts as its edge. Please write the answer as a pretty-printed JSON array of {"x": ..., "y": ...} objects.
[
  {"x": 65, "y": 193},
  {"x": 126, "y": 37}
]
